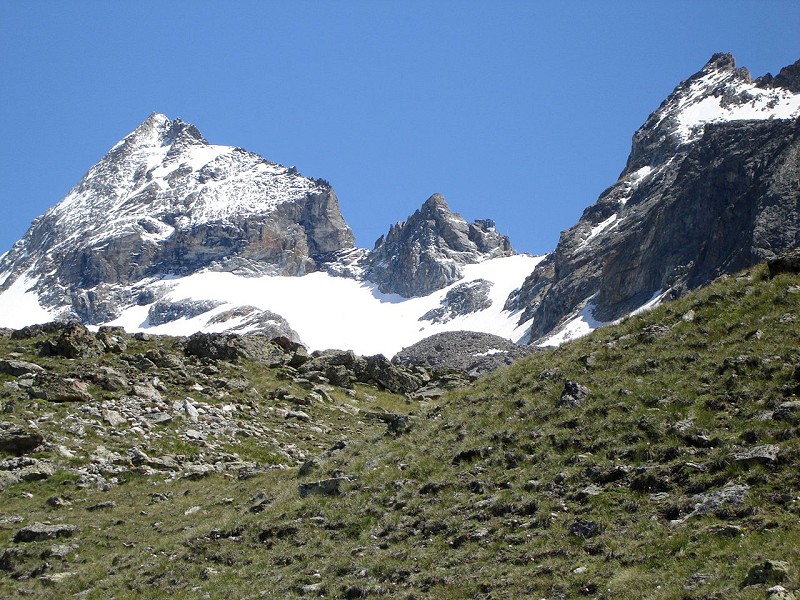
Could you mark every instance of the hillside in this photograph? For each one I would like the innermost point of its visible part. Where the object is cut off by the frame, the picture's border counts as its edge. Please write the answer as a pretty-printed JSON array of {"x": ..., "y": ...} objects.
[{"x": 656, "y": 458}]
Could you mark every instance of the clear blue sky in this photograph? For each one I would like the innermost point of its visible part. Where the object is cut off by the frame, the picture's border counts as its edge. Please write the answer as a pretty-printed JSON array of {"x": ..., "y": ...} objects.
[{"x": 520, "y": 111}]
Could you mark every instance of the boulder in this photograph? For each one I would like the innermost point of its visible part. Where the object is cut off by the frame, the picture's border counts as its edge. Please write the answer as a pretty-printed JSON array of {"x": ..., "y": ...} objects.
[
  {"x": 585, "y": 529},
  {"x": 76, "y": 341},
  {"x": 16, "y": 440},
  {"x": 19, "y": 367},
  {"x": 379, "y": 371},
  {"x": 324, "y": 487},
  {"x": 54, "y": 388},
  {"x": 766, "y": 454},
  {"x": 787, "y": 262},
  {"x": 40, "y": 531},
  {"x": 573, "y": 394},
  {"x": 768, "y": 572}
]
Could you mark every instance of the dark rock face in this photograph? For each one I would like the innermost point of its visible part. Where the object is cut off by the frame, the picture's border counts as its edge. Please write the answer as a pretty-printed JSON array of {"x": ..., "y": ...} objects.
[
  {"x": 164, "y": 311},
  {"x": 163, "y": 201},
  {"x": 469, "y": 351},
  {"x": 426, "y": 252},
  {"x": 463, "y": 299},
  {"x": 787, "y": 78},
  {"x": 692, "y": 203}
]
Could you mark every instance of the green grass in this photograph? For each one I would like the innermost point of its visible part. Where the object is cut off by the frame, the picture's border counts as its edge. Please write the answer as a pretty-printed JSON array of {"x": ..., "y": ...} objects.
[{"x": 477, "y": 499}]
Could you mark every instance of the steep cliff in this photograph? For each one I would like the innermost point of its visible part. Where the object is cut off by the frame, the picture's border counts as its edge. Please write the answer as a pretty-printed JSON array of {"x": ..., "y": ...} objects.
[{"x": 712, "y": 185}]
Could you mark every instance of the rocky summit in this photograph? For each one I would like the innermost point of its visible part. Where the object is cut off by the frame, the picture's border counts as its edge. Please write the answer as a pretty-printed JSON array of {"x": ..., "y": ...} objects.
[
  {"x": 160, "y": 203},
  {"x": 427, "y": 252},
  {"x": 710, "y": 187}
]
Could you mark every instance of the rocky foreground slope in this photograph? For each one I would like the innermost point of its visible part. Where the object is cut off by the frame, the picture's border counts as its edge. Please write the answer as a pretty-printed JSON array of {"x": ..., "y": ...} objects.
[{"x": 656, "y": 458}]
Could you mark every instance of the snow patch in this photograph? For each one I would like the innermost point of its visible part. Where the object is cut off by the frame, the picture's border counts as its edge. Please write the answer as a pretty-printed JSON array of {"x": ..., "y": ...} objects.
[
  {"x": 721, "y": 96},
  {"x": 580, "y": 325},
  {"x": 490, "y": 352},
  {"x": 335, "y": 312},
  {"x": 19, "y": 305}
]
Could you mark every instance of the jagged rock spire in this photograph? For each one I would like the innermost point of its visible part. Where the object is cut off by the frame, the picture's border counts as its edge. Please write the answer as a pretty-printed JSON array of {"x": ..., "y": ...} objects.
[{"x": 426, "y": 252}]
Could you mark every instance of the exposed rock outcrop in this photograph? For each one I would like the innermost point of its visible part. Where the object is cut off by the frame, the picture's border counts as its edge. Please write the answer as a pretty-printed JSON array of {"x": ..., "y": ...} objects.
[
  {"x": 463, "y": 299},
  {"x": 468, "y": 351},
  {"x": 427, "y": 252},
  {"x": 710, "y": 187},
  {"x": 164, "y": 201}
]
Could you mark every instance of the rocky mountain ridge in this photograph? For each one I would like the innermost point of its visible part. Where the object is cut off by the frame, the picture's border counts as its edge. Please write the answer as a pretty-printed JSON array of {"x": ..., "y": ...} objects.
[
  {"x": 710, "y": 187},
  {"x": 159, "y": 203},
  {"x": 164, "y": 204},
  {"x": 427, "y": 252}
]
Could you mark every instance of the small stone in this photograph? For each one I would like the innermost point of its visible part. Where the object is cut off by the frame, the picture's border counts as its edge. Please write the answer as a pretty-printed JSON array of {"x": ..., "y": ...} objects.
[
  {"x": 192, "y": 510},
  {"x": 61, "y": 551},
  {"x": 158, "y": 417},
  {"x": 102, "y": 505},
  {"x": 325, "y": 487},
  {"x": 573, "y": 394},
  {"x": 585, "y": 529},
  {"x": 191, "y": 412},
  {"x": 17, "y": 440},
  {"x": 58, "y": 502},
  {"x": 297, "y": 414},
  {"x": 113, "y": 418},
  {"x": 778, "y": 592},
  {"x": 55, "y": 578}
]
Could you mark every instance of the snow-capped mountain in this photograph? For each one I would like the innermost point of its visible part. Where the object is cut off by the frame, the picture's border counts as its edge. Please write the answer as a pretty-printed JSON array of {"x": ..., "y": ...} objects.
[
  {"x": 165, "y": 202},
  {"x": 170, "y": 234},
  {"x": 711, "y": 186}
]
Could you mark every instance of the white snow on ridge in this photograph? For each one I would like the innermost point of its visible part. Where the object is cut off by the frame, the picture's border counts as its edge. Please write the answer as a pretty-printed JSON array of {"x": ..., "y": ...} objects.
[
  {"x": 149, "y": 176},
  {"x": 600, "y": 227},
  {"x": 721, "y": 96},
  {"x": 583, "y": 323},
  {"x": 334, "y": 312}
]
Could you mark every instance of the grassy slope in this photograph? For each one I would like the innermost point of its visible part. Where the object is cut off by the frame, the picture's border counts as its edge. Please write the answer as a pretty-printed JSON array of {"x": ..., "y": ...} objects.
[{"x": 477, "y": 500}]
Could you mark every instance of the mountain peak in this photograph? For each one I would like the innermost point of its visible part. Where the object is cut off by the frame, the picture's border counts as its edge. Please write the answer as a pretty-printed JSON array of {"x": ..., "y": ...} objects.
[
  {"x": 428, "y": 250},
  {"x": 721, "y": 60},
  {"x": 435, "y": 202},
  {"x": 159, "y": 130},
  {"x": 720, "y": 92},
  {"x": 163, "y": 201}
]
